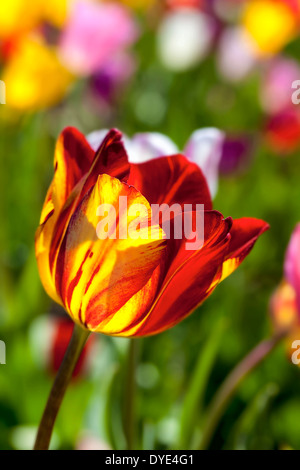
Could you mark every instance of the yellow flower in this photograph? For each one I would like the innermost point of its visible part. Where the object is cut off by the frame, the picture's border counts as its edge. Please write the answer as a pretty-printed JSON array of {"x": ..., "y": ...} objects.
[
  {"x": 56, "y": 11},
  {"x": 34, "y": 77},
  {"x": 19, "y": 16},
  {"x": 271, "y": 24}
]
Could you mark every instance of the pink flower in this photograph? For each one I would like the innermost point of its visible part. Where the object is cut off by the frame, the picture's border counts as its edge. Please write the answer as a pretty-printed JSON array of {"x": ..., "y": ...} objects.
[
  {"x": 277, "y": 82},
  {"x": 95, "y": 33},
  {"x": 236, "y": 57},
  {"x": 292, "y": 263},
  {"x": 285, "y": 301}
]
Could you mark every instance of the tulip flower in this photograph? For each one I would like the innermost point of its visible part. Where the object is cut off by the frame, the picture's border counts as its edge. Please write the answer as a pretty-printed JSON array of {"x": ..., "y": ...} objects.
[
  {"x": 130, "y": 287},
  {"x": 59, "y": 40},
  {"x": 204, "y": 148},
  {"x": 18, "y": 17},
  {"x": 50, "y": 336},
  {"x": 271, "y": 24},
  {"x": 61, "y": 338},
  {"x": 236, "y": 55},
  {"x": 264, "y": 29},
  {"x": 127, "y": 286},
  {"x": 112, "y": 76},
  {"x": 276, "y": 84},
  {"x": 31, "y": 64},
  {"x": 292, "y": 264},
  {"x": 184, "y": 38},
  {"x": 93, "y": 34},
  {"x": 236, "y": 154},
  {"x": 282, "y": 131}
]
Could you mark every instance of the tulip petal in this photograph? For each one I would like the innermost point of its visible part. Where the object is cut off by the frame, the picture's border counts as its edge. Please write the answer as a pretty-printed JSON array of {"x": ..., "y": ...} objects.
[
  {"x": 76, "y": 170},
  {"x": 227, "y": 243},
  {"x": 75, "y": 159},
  {"x": 170, "y": 180},
  {"x": 72, "y": 160},
  {"x": 93, "y": 33},
  {"x": 111, "y": 159},
  {"x": 43, "y": 238},
  {"x": 292, "y": 263},
  {"x": 96, "y": 139},
  {"x": 149, "y": 145},
  {"x": 142, "y": 147},
  {"x": 184, "y": 38},
  {"x": 190, "y": 279},
  {"x": 244, "y": 234},
  {"x": 95, "y": 277},
  {"x": 205, "y": 148}
]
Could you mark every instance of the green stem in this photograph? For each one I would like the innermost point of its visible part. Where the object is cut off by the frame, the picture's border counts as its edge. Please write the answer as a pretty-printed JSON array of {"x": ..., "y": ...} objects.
[
  {"x": 130, "y": 395},
  {"x": 231, "y": 383},
  {"x": 64, "y": 375}
]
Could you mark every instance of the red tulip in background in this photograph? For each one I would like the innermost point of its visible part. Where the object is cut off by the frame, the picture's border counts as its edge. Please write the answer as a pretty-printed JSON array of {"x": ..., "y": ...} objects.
[{"x": 62, "y": 333}]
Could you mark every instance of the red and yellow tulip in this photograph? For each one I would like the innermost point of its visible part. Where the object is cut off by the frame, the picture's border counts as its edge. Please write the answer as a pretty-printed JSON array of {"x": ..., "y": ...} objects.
[{"x": 126, "y": 287}]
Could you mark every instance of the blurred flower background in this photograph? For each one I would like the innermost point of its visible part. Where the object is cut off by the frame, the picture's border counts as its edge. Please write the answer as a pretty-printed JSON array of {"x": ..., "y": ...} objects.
[{"x": 159, "y": 70}]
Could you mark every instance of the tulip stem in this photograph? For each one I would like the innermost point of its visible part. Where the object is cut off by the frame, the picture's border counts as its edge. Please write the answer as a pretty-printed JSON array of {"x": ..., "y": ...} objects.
[
  {"x": 130, "y": 395},
  {"x": 64, "y": 375},
  {"x": 231, "y": 383}
]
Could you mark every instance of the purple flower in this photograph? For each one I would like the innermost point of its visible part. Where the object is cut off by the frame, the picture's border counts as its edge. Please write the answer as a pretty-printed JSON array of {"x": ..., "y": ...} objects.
[{"x": 235, "y": 154}]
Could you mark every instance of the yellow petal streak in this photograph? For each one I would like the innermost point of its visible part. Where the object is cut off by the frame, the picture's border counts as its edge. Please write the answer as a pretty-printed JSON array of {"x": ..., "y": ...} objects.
[
  {"x": 229, "y": 266},
  {"x": 108, "y": 283}
]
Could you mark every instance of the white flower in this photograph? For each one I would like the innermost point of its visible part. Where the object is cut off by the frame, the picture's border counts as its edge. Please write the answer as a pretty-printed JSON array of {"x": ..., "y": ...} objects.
[
  {"x": 203, "y": 148},
  {"x": 184, "y": 38}
]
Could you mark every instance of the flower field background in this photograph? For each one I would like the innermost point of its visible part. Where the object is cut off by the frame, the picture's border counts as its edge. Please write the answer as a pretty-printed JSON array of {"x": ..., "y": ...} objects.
[{"x": 137, "y": 88}]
